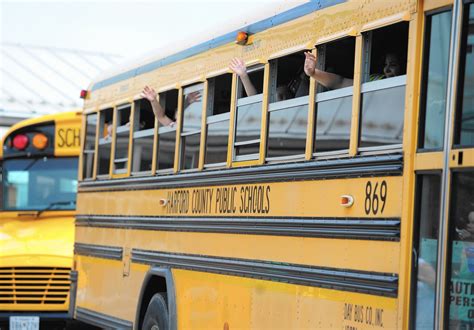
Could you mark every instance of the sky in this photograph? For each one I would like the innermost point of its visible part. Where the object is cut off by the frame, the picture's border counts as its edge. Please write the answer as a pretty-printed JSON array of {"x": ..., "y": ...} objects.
[{"x": 126, "y": 28}]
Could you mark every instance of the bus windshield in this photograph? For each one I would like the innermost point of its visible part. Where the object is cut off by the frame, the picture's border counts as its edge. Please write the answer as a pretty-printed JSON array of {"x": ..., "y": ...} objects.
[{"x": 40, "y": 184}]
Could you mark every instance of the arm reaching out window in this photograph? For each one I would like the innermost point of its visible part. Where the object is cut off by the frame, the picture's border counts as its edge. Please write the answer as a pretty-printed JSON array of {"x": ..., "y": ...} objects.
[
  {"x": 150, "y": 94},
  {"x": 239, "y": 68},
  {"x": 327, "y": 79}
]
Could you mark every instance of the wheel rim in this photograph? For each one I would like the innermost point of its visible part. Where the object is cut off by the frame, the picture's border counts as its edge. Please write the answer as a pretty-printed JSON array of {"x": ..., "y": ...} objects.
[{"x": 155, "y": 327}]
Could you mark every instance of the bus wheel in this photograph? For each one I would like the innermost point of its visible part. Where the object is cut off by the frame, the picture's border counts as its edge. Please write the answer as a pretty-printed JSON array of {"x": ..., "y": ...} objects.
[{"x": 156, "y": 316}]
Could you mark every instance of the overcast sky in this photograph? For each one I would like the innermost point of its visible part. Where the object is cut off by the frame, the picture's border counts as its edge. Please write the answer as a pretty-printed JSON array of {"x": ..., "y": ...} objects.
[{"x": 127, "y": 28}]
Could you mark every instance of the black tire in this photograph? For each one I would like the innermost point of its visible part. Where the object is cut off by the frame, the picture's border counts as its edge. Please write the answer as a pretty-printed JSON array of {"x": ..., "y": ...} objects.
[{"x": 156, "y": 316}]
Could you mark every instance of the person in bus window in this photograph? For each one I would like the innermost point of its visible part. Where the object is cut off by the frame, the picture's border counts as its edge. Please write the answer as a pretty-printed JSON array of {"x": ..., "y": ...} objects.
[
  {"x": 150, "y": 94},
  {"x": 392, "y": 68}
]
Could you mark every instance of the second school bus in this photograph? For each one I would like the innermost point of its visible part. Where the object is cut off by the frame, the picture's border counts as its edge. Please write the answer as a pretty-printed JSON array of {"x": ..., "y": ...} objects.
[
  {"x": 346, "y": 208},
  {"x": 38, "y": 200}
]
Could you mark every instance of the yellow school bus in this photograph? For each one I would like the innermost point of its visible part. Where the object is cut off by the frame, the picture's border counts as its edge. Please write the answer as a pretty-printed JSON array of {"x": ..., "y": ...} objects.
[
  {"x": 39, "y": 185},
  {"x": 304, "y": 204}
]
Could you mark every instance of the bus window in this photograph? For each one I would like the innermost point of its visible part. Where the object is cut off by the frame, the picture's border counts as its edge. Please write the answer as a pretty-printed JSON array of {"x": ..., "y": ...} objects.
[
  {"x": 334, "y": 107},
  {"x": 460, "y": 272},
  {"x": 288, "y": 109},
  {"x": 383, "y": 90},
  {"x": 191, "y": 132},
  {"x": 166, "y": 134},
  {"x": 89, "y": 146},
  {"x": 435, "y": 79},
  {"x": 426, "y": 247},
  {"x": 464, "y": 134},
  {"x": 143, "y": 136},
  {"x": 218, "y": 116},
  {"x": 105, "y": 141},
  {"x": 122, "y": 139},
  {"x": 249, "y": 117}
]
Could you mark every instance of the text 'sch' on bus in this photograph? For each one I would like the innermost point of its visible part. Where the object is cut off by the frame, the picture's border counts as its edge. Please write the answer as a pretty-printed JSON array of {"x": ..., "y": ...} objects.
[
  {"x": 39, "y": 185},
  {"x": 304, "y": 204}
]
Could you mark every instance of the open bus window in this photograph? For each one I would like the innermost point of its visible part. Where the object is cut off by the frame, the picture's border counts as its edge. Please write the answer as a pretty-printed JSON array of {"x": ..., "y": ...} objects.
[
  {"x": 334, "y": 106},
  {"x": 218, "y": 117},
  {"x": 89, "y": 146},
  {"x": 191, "y": 132},
  {"x": 383, "y": 90},
  {"x": 143, "y": 136},
  {"x": 105, "y": 141},
  {"x": 122, "y": 138},
  {"x": 435, "y": 80},
  {"x": 249, "y": 117},
  {"x": 461, "y": 242},
  {"x": 288, "y": 109},
  {"x": 464, "y": 133},
  {"x": 166, "y": 134}
]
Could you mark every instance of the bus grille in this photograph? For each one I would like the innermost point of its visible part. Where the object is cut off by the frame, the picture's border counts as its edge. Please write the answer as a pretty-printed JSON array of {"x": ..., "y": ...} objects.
[{"x": 38, "y": 285}]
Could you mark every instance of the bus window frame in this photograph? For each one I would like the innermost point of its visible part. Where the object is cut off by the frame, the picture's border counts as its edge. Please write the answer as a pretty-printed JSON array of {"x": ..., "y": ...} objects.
[
  {"x": 189, "y": 88},
  {"x": 320, "y": 53},
  {"x": 160, "y": 129},
  {"x": 210, "y": 118},
  {"x": 273, "y": 105},
  {"x": 136, "y": 134},
  {"x": 101, "y": 124},
  {"x": 254, "y": 158},
  {"x": 83, "y": 145},
  {"x": 366, "y": 86},
  {"x": 118, "y": 130}
]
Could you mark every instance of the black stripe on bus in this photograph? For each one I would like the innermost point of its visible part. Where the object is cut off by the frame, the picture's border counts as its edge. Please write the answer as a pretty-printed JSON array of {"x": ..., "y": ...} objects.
[
  {"x": 103, "y": 321},
  {"x": 352, "y": 228},
  {"x": 366, "y": 166},
  {"x": 99, "y": 251},
  {"x": 345, "y": 280}
]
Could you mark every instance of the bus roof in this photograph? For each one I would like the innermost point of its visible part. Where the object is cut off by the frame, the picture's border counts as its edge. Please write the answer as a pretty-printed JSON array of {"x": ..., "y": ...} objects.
[{"x": 272, "y": 15}]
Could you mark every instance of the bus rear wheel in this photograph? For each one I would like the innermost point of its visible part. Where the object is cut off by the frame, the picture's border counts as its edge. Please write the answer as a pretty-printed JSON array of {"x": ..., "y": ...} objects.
[{"x": 156, "y": 316}]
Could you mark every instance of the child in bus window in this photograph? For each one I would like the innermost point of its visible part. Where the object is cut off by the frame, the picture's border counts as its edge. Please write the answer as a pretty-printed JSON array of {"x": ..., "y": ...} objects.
[{"x": 150, "y": 94}]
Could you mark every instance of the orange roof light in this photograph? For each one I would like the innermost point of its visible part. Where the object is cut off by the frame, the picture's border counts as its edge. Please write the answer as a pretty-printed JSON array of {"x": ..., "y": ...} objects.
[
  {"x": 40, "y": 141},
  {"x": 241, "y": 38}
]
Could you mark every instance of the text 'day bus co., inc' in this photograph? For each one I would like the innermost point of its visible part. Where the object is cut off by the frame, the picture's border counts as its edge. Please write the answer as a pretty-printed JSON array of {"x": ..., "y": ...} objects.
[
  {"x": 39, "y": 185},
  {"x": 304, "y": 204}
]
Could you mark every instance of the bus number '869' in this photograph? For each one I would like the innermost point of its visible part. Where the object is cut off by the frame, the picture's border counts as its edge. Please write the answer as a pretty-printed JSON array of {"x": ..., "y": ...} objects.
[{"x": 375, "y": 197}]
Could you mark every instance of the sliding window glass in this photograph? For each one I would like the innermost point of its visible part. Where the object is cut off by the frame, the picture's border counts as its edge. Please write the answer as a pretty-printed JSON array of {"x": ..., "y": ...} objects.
[
  {"x": 464, "y": 134},
  {"x": 143, "y": 137},
  {"x": 460, "y": 277},
  {"x": 249, "y": 116},
  {"x": 191, "y": 132},
  {"x": 425, "y": 247},
  {"x": 105, "y": 142},
  {"x": 435, "y": 80},
  {"x": 89, "y": 147},
  {"x": 122, "y": 138},
  {"x": 167, "y": 134},
  {"x": 217, "y": 121},
  {"x": 288, "y": 109},
  {"x": 383, "y": 89},
  {"x": 334, "y": 96}
]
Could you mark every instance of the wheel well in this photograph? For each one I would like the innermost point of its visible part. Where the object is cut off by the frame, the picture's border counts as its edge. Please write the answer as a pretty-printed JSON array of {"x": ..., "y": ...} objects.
[{"x": 155, "y": 284}]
